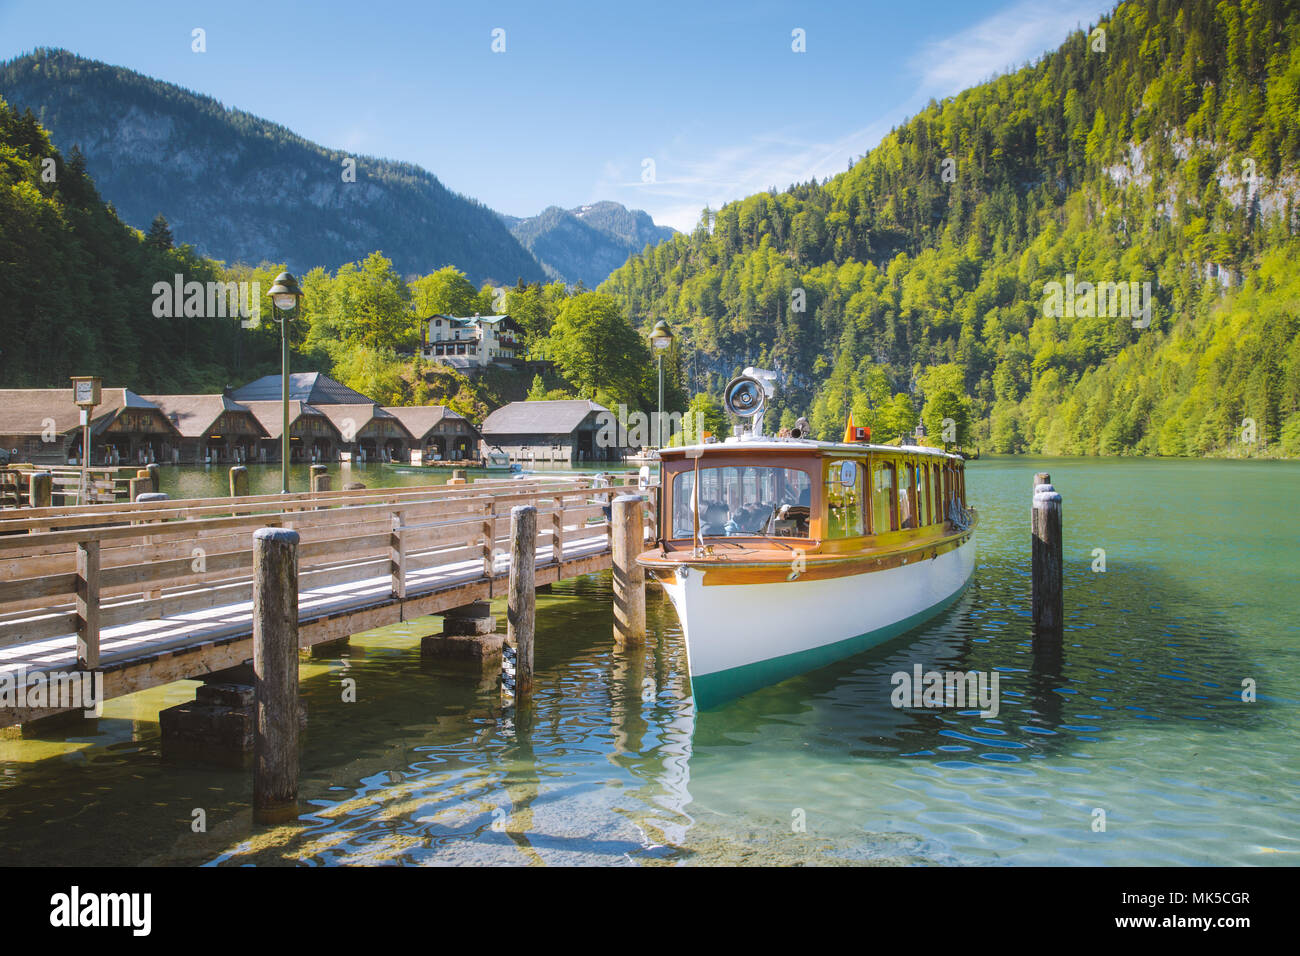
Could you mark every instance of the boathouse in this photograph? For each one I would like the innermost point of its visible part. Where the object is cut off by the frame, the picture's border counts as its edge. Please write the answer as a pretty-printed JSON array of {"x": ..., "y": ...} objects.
[
  {"x": 213, "y": 428},
  {"x": 44, "y": 426},
  {"x": 550, "y": 431},
  {"x": 437, "y": 432},
  {"x": 312, "y": 436},
  {"x": 369, "y": 433}
]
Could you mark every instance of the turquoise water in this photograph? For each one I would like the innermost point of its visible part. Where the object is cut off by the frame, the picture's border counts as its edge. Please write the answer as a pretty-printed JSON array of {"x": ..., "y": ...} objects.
[{"x": 1137, "y": 713}]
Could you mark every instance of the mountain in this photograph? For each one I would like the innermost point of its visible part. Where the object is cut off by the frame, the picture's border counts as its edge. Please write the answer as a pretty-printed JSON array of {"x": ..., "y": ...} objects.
[
  {"x": 969, "y": 266},
  {"x": 76, "y": 286},
  {"x": 586, "y": 243},
  {"x": 242, "y": 189}
]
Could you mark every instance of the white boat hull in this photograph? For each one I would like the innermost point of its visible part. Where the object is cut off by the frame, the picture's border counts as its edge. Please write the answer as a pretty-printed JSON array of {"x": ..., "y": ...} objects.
[{"x": 741, "y": 637}]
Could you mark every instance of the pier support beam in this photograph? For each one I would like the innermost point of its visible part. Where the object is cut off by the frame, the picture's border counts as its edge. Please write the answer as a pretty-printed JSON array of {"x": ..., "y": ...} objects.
[
  {"x": 215, "y": 728},
  {"x": 275, "y": 659},
  {"x": 521, "y": 614},
  {"x": 238, "y": 482},
  {"x": 468, "y": 638},
  {"x": 627, "y": 541},
  {"x": 1048, "y": 561}
]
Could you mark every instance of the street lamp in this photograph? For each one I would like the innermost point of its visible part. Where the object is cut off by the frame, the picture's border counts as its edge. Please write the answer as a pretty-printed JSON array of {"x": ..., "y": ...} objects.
[
  {"x": 661, "y": 337},
  {"x": 284, "y": 296}
]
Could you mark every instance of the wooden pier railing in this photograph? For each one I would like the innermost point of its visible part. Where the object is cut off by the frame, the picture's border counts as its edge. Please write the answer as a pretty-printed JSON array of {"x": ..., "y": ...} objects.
[{"x": 118, "y": 585}]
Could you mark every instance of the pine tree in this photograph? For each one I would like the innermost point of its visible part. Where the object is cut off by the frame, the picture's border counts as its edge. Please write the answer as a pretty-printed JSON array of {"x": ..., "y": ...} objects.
[{"x": 160, "y": 233}]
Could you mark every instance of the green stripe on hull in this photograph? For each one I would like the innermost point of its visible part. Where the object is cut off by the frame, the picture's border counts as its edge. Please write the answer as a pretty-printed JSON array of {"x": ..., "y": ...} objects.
[{"x": 717, "y": 688}]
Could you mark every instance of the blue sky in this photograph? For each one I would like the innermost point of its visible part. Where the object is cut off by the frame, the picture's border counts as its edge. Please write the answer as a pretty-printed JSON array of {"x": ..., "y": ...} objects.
[{"x": 583, "y": 94}]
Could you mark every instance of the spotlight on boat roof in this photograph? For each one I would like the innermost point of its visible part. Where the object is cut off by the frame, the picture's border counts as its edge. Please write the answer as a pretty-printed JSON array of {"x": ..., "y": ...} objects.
[{"x": 747, "y": 394}]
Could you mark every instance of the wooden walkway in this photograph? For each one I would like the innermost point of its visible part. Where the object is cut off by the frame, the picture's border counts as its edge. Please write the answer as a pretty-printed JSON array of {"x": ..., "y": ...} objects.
[{"x": 150, "y": 593}]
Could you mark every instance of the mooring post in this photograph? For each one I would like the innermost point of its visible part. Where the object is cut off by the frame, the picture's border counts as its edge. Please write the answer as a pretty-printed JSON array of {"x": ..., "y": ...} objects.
[
  {"x": 40, "y": 489},
  {"x": 320, "y": 479},
  {"x": 521, "y": 606},
  {"x": 155, "y": 473},
  {"x": 627, "y": 538},
  {"x": 275, "y": 662},
  {"x": 1048, "y": 605},
  {"x": 238, "y": 481}
]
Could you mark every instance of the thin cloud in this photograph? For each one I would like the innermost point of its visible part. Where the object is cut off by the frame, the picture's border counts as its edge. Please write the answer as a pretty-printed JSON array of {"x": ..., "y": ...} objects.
[
  {"x": 685, "y": 184},
  {"x": 998, "y": 44}
]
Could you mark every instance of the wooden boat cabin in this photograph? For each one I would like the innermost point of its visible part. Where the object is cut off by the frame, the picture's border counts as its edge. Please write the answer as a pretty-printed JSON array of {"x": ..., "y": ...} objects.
[{"x": 817, "y": 497}]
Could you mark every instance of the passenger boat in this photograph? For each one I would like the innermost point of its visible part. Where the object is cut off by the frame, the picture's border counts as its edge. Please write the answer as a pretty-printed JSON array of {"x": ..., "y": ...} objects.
[{"x": 782, "y": 554}]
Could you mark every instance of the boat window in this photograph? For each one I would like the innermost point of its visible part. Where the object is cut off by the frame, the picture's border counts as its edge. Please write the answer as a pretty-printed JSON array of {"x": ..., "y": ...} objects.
[
  {"x": 884, "y": 513},
  {"x": 743, "y": 500},
  {"x": 906, "y": 507},
  {"x": 844, "y": 511},
  {"x": 923, "y": 491}
]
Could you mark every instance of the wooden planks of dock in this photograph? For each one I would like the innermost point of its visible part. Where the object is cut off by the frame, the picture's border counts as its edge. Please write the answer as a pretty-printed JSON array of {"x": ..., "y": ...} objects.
[{"x": 150, "y": 593}]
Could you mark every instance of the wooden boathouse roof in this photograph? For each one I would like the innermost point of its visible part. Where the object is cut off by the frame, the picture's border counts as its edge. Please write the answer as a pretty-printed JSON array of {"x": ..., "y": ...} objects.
[
  {"x": 268, "y": 414},
  {"x": 23, "y": 411},
  {"x": 420, "y": 420},
  {"x": 194, "y": 415},
  {"x": 314, "y": 388},
  {"x": 539, "y": 418}
]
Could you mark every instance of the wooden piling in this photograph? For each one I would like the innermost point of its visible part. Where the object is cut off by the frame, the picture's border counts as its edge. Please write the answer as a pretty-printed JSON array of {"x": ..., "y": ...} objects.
[
  {"x": 40, "y": 489},
  {"x": 320, "y": 479},
  {"x": 275, "y": 661},
  {"x": 627, "y": 531},
  {"x": 88, "y": 604},
  {"x": 155, "y": 473},
  {"x": 521, "y": 607},
  {"x": 1048, "y": 561},
  {"x": 140, "y": 486},
  {"x": 238, "y": 481}
]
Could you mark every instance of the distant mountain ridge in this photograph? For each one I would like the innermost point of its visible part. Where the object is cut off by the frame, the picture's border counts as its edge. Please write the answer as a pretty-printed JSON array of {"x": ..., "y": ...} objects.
[
  {"x": 242, "y": 189},
  {"x": 588, "y": 242}
]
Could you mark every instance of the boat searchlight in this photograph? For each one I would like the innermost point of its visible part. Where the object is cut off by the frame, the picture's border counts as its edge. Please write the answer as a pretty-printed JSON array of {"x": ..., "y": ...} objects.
[{"x": 747, "y": 395}]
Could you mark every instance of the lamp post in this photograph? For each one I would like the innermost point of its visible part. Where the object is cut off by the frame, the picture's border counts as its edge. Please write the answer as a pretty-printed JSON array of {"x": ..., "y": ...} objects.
[
  {"x": 661, "y": 337},
  {"x": 284, "y": 296}
]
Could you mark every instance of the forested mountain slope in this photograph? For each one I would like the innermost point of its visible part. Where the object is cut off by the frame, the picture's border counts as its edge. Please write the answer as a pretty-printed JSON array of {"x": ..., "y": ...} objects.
[
  {"x": 76, "y": 286},
  {"x": 1160, "y": 147},
  {"x": 242, "y": 189}
]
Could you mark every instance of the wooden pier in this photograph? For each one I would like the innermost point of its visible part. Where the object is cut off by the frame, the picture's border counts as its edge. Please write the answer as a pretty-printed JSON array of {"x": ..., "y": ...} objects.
[{"x": 153, "y": 592}]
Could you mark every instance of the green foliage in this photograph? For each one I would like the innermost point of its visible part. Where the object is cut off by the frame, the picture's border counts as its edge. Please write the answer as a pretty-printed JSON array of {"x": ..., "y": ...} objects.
[
  {"x": 599, "y": 352},
  {"x": 1110, "y": 168},
  {"x": 448, "y": 292},
  {"x": 77, "y": 286}
]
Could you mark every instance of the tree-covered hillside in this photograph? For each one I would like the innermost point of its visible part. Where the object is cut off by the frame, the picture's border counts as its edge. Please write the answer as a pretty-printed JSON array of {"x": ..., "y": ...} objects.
[
  {"x": 1160, "y": 147},
  {"x": 76, "y": 286},
  {"x": 242, "y": 189}
]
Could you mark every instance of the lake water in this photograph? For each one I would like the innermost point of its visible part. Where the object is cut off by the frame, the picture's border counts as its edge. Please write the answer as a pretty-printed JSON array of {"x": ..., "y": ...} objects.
[{"x": 1138, "y": 714}]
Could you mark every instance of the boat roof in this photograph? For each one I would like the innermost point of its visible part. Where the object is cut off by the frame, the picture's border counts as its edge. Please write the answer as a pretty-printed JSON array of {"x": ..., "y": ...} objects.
[{"x": 803, "y": 444}]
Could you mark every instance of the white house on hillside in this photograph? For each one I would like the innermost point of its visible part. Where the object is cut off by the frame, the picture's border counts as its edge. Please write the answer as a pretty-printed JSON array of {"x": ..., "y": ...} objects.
[{"x": 475, "y": 341}]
